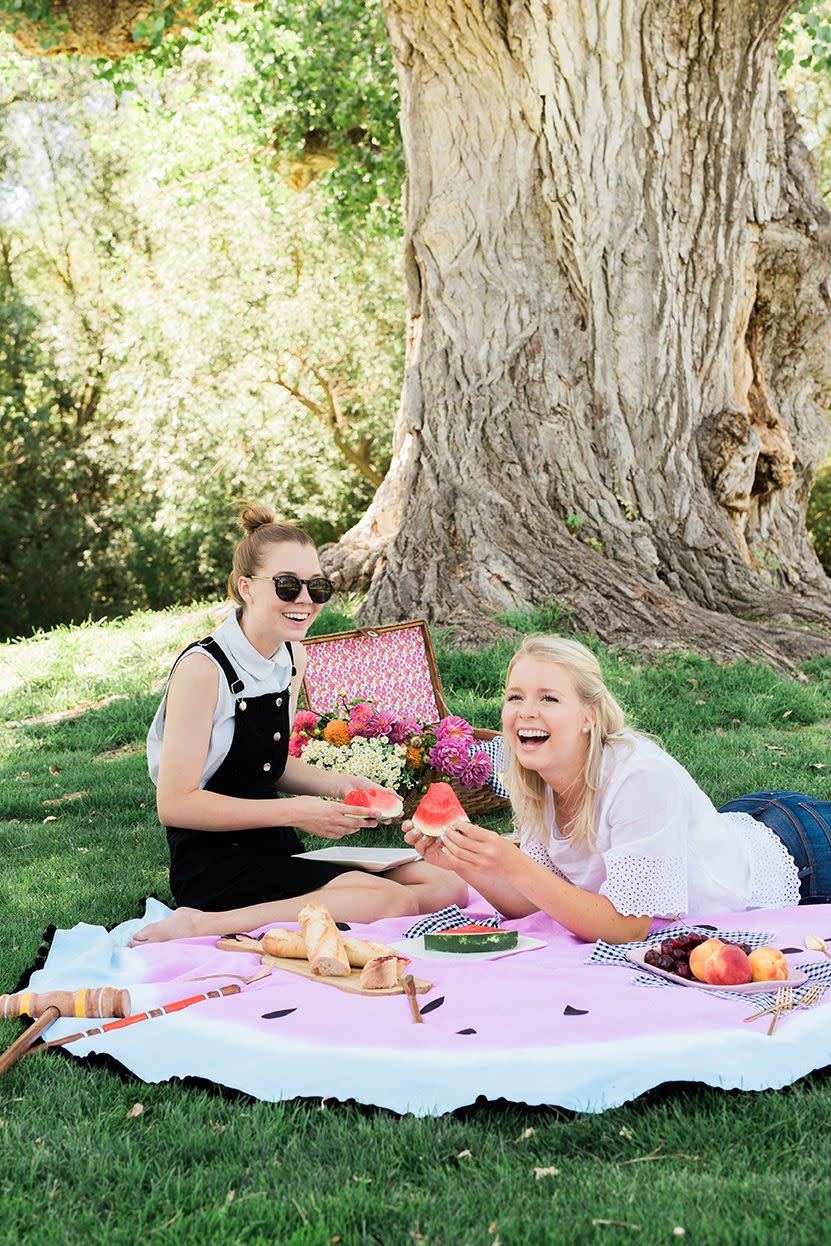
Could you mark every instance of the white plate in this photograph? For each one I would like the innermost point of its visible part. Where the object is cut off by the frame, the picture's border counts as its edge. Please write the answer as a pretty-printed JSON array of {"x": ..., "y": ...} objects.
[
  {"x": 795, "y": 978},
  {"x": 374, "y": 860},
  {"x": 416, "y": 949}
]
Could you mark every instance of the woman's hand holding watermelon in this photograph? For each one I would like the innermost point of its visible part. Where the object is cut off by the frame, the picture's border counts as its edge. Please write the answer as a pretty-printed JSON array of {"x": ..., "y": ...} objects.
[
  {"x": 326, "y": 818},
  {"x": 383, "y": 803},
  {"x": 469, "y": 847},
  {"x": 463, "y": 847},
  {"x": 427, "y": 846},
  {"x": 347, "y": 783}
]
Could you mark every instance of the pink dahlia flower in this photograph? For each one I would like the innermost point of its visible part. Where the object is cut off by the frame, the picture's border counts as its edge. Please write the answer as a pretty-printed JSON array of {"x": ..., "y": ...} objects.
[
  {"x": 448, "y": 757},
  {"x": 403, "y": 729},
  {"x": 476, "y": 770},
  {"x": 455, "y": 729},
  {"x": 381, "y": 723},
  {"x": 360, "y": 716}
]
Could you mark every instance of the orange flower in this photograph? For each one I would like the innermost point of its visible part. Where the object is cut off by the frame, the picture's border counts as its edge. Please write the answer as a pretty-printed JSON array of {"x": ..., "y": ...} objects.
[
  {"x": 336, "y": 732},
  {"x": 415, "y": 756}
]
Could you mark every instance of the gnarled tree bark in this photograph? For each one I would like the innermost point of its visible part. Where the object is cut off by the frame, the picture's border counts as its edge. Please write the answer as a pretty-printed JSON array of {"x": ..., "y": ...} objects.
[
  {"x": 618, "y": 270},
  {"x": 619, "y": 288}
]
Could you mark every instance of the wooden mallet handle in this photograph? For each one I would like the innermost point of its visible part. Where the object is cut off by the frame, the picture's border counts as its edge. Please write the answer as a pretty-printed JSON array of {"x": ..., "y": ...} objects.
[
  {"x": 22, "y": 1044},
  {"x": 102, "y": 1001}
]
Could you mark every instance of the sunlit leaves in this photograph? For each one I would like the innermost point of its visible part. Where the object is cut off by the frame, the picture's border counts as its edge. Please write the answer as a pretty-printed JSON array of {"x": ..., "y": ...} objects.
[
  {"x": 158, "y": 255},
  {"x": 319, "y": 76},
  {"x": 806, "y": 37}
]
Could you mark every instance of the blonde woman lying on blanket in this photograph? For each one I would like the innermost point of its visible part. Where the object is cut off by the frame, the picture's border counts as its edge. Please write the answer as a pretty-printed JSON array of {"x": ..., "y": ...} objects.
[
  {"x": 614, "y": 831},
  {"x": 218, "y": 752}
]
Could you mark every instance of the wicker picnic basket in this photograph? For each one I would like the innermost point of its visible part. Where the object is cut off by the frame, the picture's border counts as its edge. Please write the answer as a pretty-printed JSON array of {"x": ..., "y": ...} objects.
[
  {"x": 475, "y": 801},
  {"x": 395, "y": 666}
]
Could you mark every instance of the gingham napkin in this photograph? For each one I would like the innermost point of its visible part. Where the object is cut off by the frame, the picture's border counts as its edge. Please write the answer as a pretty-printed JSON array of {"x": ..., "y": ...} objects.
[
  {"x": 496, "y": 751},
  {"x": 615, "y": 953},
  {"x": 449, "y": 919}
]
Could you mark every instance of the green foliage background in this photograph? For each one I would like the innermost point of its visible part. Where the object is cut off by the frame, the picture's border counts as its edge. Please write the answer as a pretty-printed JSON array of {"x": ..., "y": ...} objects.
[
  {"x": 163, "y": 290},
  {"x": 161, "y": 286}
]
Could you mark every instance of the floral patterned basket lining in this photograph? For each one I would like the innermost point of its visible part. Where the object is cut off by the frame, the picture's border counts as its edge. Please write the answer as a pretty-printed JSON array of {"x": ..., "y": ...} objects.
[{"x": 395, "y": 666}]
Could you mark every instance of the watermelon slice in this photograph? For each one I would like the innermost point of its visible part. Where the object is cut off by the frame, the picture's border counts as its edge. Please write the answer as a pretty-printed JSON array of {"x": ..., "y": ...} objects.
[
  {"x": 471, "y": 939},
  {"x": 376, "y": 801},
  {"x": 438, "y": 809}
]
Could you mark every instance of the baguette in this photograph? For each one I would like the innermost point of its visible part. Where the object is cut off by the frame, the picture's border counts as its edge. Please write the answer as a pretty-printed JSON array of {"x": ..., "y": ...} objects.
[
  {"x": 288, "y": 943},
  {"x": 359, "y": 952},
  {"x": 324, "y": 946},
  {"x": 380, "y": 973}
]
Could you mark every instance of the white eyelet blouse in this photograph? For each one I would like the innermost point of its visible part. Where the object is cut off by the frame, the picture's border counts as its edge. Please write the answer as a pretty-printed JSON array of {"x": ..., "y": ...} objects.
[{"x": 662, "y": 848}]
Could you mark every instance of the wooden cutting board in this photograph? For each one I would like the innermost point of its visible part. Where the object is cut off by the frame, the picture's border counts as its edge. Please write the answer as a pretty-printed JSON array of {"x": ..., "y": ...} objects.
[{"x": 303, "y": 970}]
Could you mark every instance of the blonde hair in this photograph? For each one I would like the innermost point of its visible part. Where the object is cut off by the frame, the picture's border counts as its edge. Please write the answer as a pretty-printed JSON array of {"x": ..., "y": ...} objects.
[
  {"x": 608, "y": 726},
  {"x": 259, "y": 523}
]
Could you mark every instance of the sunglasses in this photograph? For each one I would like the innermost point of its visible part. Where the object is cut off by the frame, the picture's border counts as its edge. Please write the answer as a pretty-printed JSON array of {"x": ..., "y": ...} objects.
[{"x": 288, "y": 587}]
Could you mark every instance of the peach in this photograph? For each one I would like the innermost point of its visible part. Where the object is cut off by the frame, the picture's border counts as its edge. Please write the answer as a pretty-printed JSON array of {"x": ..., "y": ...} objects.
[
  {"x": 700, "y": 955},
  {"x": 728, "y": 966},
  {"x": 720, "y": 964},
  {"x": 768, "y": 964}
]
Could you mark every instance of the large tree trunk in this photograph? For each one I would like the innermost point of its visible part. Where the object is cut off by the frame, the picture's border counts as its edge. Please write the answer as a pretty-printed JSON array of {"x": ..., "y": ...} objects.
[{"x": 618, "y": 271}]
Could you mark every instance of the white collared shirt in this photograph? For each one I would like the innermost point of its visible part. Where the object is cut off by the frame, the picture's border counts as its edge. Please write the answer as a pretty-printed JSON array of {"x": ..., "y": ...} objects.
[{"x": 260, "y": 676}]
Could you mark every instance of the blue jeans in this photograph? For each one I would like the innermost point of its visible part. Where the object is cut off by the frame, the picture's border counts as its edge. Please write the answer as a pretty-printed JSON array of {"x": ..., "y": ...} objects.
[{"x": 803, "y": 823}]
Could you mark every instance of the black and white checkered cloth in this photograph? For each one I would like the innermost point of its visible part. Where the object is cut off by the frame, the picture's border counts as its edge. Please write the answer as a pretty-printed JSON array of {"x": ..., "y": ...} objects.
[
  {"x": 615, "y": 954},
  {"x": 451, "y": 918},
  {"x": 496, "y": 751}
]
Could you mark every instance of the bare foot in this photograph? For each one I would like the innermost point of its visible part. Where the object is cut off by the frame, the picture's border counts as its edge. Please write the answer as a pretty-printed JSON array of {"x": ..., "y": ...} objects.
[{"x": 182, "y": 924}]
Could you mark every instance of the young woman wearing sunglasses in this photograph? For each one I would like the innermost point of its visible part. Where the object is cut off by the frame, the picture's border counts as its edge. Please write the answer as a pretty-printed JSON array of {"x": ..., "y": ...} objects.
[
  {"x": 614, "y": 831},
  {"x": 218, "y": 753}
]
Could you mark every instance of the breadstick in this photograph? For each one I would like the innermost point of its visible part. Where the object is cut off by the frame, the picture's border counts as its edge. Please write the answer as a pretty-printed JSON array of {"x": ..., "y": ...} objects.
[
  {"x": 380, "y": 972},
  {"x": 288, "y": 943},
  {"x": 325, "y": 950},
  {"x": 359, "y": 952},
  {"x": 102, "y": 1001}
]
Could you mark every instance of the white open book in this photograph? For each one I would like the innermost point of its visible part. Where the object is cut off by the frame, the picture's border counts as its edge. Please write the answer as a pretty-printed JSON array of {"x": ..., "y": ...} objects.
[{"x": 375, "y": 860}]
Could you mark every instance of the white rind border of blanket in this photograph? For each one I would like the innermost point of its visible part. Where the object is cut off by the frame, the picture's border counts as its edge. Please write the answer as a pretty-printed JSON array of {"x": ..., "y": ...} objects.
[{"x": 559, "y": 1076}]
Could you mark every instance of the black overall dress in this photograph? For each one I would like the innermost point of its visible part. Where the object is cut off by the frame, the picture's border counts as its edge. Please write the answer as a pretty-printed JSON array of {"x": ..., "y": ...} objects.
[{"x": 219, "y": 870}]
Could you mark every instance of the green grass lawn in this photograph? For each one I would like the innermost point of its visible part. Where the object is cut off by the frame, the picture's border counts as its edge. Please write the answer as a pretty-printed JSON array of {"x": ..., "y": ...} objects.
[{"x": 199, "y": 1165}]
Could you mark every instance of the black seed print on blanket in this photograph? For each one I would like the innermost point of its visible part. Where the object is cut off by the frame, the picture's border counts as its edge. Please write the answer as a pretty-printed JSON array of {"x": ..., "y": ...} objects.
[
  {"x": 433, "y": 1005},
  {"x": 281, "y": 1012},
  {"x": 466, "y": 1031},
  {"x": 568, "y": 1011}
]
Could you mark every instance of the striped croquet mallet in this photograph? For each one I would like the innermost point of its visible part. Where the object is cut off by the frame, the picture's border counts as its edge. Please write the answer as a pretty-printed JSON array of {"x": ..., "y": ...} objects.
[
  {"x": 103, "y": 1001},
  {"x": 107, "y": 1001},
  {"x": 100, "y": 1001},
  {"x": 152, "y": 1013}
]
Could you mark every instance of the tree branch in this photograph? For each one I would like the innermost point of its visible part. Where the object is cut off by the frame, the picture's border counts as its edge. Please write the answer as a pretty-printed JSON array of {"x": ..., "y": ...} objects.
[{"x": 333, "y": 417}]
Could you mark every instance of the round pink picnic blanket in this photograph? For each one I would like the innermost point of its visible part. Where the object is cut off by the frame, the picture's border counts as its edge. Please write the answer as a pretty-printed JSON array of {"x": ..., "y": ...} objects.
[{"x": 541, "y": 1026}]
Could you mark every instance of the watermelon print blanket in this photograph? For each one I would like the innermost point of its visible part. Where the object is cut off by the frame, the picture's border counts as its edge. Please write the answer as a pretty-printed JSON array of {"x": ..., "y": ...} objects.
[{"x": 569, "y": 1024}]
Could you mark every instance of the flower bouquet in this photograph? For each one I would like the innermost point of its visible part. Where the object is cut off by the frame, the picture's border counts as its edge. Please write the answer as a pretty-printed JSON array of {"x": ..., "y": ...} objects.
[{"x": 358, "y": 737}]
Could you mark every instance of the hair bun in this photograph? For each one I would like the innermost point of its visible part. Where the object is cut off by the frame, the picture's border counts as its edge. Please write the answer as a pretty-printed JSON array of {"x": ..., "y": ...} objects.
[{"x": 253, "y": 517}]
